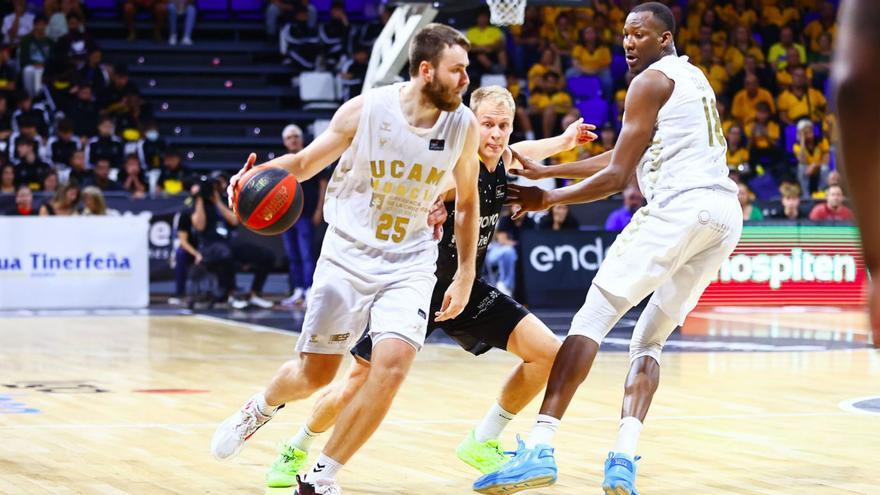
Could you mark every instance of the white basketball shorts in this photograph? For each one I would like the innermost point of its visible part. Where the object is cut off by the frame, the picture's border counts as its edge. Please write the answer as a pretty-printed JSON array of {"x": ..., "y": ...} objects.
[
  {"x": 674, "y": 248},
  {"x": 356, "y": 286}
]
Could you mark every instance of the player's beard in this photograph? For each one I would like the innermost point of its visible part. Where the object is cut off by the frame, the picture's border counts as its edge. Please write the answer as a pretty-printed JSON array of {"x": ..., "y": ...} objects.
[{"x": 445, "y": 98}]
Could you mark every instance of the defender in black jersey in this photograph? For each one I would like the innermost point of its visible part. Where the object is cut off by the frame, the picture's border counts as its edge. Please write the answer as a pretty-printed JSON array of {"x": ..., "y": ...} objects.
[{"x": 490, "y": 319}]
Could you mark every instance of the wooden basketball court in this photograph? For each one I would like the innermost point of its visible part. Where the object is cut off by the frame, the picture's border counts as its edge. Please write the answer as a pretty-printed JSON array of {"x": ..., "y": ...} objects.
[{"x": 128, "y": 404}]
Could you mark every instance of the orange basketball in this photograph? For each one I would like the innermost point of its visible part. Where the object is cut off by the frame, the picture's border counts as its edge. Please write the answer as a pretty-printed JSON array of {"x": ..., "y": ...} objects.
[{"x": 269, "y": 200}]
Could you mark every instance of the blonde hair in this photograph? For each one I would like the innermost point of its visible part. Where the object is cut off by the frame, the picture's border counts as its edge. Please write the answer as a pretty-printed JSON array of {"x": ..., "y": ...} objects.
[
  {"x": 98, "y": 197},
  {"x": 789, "y": 190},
  {"x": 495, "y": 95}
]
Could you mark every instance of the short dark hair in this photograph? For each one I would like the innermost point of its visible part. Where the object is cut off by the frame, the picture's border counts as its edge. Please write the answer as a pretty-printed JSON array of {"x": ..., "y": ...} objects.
[
  {"x": 660, "y": 11},
  {"x": 428, "y": 43},
  {"x": 65, "y": 125}
]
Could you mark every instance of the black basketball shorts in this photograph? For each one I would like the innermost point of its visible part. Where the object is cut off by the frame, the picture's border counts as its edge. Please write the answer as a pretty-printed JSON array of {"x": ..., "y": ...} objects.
[{"x": 486, "y": 322}]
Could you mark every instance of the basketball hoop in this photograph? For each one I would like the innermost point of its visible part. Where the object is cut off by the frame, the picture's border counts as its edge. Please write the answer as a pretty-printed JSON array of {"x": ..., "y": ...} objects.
[{"x": 507, "y": 12}]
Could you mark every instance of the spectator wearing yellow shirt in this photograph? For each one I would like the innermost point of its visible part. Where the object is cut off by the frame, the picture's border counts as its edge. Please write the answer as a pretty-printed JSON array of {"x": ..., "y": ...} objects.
[
  {"x": 737, "y": 151},
  {"x": 563, "y": 35},
  {"x": 763, "y": 132},
  {"x": 683, "y": 35},
  {"x": 715, "y": 72},
  {"x": 813, "y": 157},
  {"x": 738, "y": 13},
  {"x": 765, "y": 153},
  {"x": 784, "y": 77},
  {"x": 706, "y": 36},
  {"x": 778, "y": 53},
  {"x": 591, "y": 58},
  {"x": 547, "y": 103},
  {"x": 549, "y": 62},
  {"x": 779, "y": 13},
  {"x": 824, "y": 24},
  {"x": 487, "y": 45},
  {"x": 746, "y": 99},
  {"x": 801, "y": 101},
  {"x": 745, "y": 45},
  {"x": 695, "y": 10}
]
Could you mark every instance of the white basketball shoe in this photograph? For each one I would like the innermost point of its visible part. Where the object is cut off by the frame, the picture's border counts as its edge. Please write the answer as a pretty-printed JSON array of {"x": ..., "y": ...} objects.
[{"x": 230, "y": 436}]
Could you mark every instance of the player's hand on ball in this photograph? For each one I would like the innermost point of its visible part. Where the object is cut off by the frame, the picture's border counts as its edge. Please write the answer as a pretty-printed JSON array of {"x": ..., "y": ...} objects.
[
  {"x": 578, "y": 133},
  {"x": 532, "y": 169},
  {"x": 231, "y": 189},
  {"x": 437, "y": 217},
  {"x": 525, "y": 198},
  {"x": 455, "y": 299}
]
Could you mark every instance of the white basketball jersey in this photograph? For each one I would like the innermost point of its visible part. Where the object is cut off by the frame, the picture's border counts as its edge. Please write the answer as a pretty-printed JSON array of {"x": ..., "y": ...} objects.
[
  {"x": 388, "y": 179},
  {"x": 688, "y": 150}
]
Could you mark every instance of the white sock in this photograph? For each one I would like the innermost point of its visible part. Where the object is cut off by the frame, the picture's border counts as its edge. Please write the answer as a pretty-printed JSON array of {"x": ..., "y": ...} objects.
[
  {"x": 264, "y": 408},
  {"x": 324, "y": 467},
  {"x": 543, "y": 432},
  {"x": 628, "y": 436},
  {"x": 493, "y": 423},
  {"x": 303, "y": 438}
]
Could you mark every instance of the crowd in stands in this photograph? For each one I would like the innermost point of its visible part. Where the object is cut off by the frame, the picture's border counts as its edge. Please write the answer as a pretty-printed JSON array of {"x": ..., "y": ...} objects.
[{"x": 75, "y": 128}]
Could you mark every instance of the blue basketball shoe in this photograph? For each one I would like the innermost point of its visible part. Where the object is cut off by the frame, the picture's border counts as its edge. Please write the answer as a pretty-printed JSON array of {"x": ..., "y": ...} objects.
[
  {"x": 527, "y": 469},
  {"x": 620, "y": 475}
]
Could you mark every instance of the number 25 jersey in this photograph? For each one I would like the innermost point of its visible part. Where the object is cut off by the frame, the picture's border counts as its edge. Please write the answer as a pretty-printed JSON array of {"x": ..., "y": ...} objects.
[{"x": 388, "y": 179}]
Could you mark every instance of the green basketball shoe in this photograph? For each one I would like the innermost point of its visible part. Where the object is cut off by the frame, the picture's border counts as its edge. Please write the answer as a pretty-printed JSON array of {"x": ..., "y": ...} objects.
[
  {"x": 486, "y": 456},
  {"x": 283, "y": 471}
]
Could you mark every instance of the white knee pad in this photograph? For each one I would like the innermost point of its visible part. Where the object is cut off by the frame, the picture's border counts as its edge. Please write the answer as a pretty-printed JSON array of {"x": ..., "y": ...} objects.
[
  {"x": 598, "y": 315},
  {"x": 652, "y": 330}
]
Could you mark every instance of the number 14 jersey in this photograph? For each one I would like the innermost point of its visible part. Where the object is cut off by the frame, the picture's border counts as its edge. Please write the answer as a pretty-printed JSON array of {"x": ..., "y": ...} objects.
[
  {"x": 688, "y": 149},
  {"x": 388, "y": 179}
]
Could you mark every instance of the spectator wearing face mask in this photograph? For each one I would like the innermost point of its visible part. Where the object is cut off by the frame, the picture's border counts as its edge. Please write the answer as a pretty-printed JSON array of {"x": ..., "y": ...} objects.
[
  {"x": 620, "y": 218},
  {"x": 151, "y": 148}
]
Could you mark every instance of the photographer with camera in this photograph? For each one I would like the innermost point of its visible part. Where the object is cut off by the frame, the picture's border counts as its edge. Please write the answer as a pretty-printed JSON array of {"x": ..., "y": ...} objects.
[{"x": 213, "y": 224}]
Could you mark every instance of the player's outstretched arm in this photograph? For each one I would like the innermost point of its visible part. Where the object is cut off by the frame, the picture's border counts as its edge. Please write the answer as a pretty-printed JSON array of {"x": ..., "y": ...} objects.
[
  {"x": 648, "y": 92},
  {"x": 856, "y": 77},
  {"x": 576, "y": 133},
  {"x": 581, "y": 169},
  {"x": 324, "y": 150},
  {"x": 467, "y": 215}
]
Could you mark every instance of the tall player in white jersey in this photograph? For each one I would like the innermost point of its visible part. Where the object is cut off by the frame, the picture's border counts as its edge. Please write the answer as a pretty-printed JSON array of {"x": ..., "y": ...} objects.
[
  {"x": 400, "y": 146},
  {"x": 672, "y": 140}
]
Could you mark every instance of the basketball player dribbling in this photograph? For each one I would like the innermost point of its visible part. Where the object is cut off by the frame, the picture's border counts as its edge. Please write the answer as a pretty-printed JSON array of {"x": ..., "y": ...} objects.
[
  {"x": 672, "y": 140},
  {"x": 490, "y": 318},
  {"x": 856, "y": 78},
  {"x": 400, "y": 147}
]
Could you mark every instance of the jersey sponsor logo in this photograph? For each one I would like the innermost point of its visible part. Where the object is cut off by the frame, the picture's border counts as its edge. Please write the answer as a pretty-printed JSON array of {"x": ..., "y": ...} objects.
[
  {"x": 382, "y": 142},
  {"x": 543, "y": 258},
  {"x": 422, "y": 314},
  {"x": 437, "y": 145},
  {"x": 385, "y": 127},
  {"x": 500, "y": 191},
  {"x": 339, "y": 337}
]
